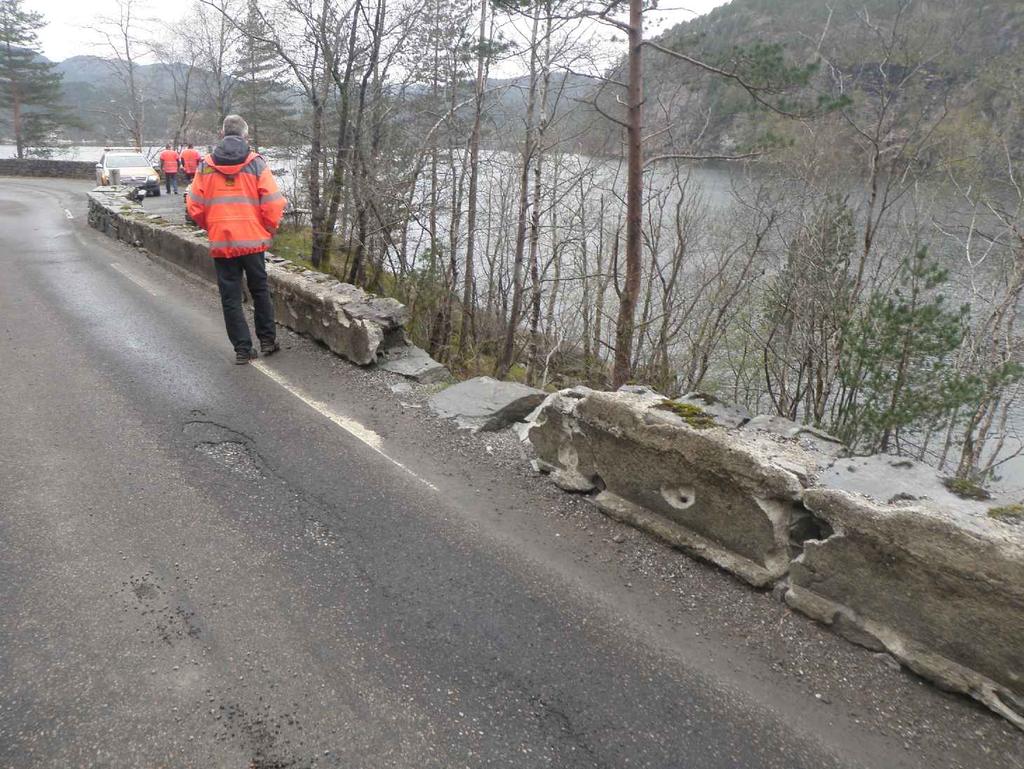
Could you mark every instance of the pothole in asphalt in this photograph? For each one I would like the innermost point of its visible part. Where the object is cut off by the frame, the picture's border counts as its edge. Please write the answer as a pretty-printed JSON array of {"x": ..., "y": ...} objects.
[
  {"x": 271, "y": 739},
  {"x": 233, "y": 455},
  {"x": 225, "y": 446},
  {"x": 167, "y": 613},
  {"x": 319, "y": 533},
  {"x": 144, "y": 590}
]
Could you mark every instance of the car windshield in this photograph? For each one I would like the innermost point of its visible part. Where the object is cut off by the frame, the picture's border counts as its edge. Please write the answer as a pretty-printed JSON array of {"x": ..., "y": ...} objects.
[{"x": 126, "y": 161}]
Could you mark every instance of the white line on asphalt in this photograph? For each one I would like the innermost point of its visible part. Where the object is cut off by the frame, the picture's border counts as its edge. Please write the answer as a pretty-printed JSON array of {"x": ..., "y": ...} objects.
[
  {"x": 140, "y": 283},
  {"x": 352, "y": 427}
]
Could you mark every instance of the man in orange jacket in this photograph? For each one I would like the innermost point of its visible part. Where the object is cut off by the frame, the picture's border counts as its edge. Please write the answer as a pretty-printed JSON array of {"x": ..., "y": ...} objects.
[
  {"x": 169, "y": 162},
  {"x": 190, "y": 158},
  {"x": 235, "y": 198}
]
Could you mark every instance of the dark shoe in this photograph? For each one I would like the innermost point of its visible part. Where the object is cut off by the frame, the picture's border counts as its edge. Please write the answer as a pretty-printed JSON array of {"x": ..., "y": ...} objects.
[
  {"x": 242, "y": 357},
  {"x": 269, "y": 346}
]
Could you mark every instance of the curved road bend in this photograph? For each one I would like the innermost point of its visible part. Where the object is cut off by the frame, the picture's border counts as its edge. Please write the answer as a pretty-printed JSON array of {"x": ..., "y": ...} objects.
[{"x": 199, "y": 568}]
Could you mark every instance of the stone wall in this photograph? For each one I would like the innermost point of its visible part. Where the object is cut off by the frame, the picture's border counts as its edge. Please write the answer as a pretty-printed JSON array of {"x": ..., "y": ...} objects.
[
  {"x": 349, "y": 321},
  {"x": 61, "y": 169},
  {"x": 876, "y": 547}
]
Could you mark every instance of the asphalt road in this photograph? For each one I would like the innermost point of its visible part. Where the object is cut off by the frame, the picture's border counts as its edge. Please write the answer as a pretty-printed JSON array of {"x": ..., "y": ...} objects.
[{"x": 202, "y": 565}]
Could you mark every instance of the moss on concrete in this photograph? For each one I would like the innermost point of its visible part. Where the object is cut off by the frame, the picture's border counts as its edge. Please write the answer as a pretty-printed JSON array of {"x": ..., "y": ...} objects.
[
  {"x": 694, "y": 416},
  {"x": 966, "y": 488},
  {"x": 1008, "y": 513}
]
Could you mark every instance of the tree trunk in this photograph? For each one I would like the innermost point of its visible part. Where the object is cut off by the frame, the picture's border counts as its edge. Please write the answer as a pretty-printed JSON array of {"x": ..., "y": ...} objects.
[
  {"x": 467, "y": 331},
  {"x": 624, "y": 327},
  {"x": 507, "y": 357},
  {"x": 344, "y": 152},
  {"x": 321, "y": 239},
  {"x": 19, "y": 138},
  {"x": 536, "y": 289}
]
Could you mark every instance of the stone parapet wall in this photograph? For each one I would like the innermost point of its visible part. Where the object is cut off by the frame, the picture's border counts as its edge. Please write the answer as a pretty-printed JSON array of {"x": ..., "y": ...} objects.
[
  {"x": 60, "y": 169},
  {"x": 876, "y": 547},
  {"x": 352, "y": 323}
]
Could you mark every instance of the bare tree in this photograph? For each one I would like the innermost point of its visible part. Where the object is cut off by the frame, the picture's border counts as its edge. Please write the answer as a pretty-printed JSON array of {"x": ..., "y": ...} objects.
[
  {"x": 215, "y": 30},
  {"x": 122, "y": 34},
  {"x": 179, "y": 58}
]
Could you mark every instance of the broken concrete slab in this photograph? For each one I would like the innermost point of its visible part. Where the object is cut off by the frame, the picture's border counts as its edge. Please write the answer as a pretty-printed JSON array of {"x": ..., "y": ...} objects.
[
  {"x": 942, "y": 590},
  {"x": 720, "y": 495},
  {"x": 412, "y": 362},
  {"x": 483, "y": 403}
]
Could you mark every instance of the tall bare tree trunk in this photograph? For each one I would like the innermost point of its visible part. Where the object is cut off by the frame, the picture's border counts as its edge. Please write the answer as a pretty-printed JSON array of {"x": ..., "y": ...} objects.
[
  {"x": 536, "y": 288},
  {"x": 467, "y": 331},
  {"x": 317, "y": 215},
  {"x": 345, "y": 151},
  {"x": 508, "y": 352},
  {"x": 625, "y": 324},
  {"x": 357, "y": 272}
]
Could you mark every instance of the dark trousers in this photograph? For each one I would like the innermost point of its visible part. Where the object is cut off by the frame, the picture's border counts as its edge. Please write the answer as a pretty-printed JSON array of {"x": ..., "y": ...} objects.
[
  {"x": 171, "y": 179},
  {"x": 229, "y": 281}
]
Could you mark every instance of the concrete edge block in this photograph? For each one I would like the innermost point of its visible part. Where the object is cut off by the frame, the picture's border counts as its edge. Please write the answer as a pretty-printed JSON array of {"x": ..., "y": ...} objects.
[{"x": 684, "y": 539}]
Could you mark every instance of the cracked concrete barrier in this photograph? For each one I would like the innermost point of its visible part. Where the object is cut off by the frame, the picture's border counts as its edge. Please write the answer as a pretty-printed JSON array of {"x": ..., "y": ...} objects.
[
  {"x": 727, "y": 496},
  {"x": 351, "y": 322},
  {"x": 940, "y": 588}
]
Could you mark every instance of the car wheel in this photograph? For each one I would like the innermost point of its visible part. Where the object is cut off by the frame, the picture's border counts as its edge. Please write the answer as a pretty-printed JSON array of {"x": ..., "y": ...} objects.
[{"x": 156, "y": 193}]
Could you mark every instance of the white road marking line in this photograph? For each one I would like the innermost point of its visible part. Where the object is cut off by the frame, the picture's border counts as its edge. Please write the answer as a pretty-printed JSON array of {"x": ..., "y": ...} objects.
[
  {"x": 140, "y": 283},
  {"x": 68, "y": 214},
  {"x": 352, "y": 427}
]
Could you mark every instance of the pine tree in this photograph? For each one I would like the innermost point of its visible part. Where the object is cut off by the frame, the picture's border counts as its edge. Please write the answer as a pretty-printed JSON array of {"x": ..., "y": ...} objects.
[
  {"x": 260, "y": 92},
  {"x": 898, "y": 370},
  {"x": 30, "y": 88}
]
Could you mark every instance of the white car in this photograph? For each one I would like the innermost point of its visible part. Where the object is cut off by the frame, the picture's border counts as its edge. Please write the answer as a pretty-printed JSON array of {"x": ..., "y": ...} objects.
[{"x": 134, "y": 169}]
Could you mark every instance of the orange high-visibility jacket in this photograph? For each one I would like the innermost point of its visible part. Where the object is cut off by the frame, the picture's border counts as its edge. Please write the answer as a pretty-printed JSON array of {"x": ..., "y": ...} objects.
[
  {"x": 169, "y": 161},
  {"x": 190, "y": 160},
  {"x": 239, "y": 206}
]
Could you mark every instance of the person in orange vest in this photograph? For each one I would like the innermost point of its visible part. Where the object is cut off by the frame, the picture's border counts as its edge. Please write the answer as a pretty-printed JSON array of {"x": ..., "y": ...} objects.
[
  {"x": 169, "y": 162},
  {"x": 235, "y": 198},
  {"x": 190, "y": 158}
]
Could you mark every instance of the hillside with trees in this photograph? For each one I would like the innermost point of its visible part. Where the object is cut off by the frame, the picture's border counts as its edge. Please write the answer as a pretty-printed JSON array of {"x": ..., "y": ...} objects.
[{"x": 961, "y": 56}]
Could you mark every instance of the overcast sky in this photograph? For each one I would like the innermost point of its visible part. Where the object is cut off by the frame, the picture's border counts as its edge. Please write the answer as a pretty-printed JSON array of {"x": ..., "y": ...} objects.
[{"x": 68, "y": 33}]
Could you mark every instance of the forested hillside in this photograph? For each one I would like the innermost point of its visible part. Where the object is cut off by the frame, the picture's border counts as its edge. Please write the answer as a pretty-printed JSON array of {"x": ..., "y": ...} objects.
[{"x": 971, "y": 55}]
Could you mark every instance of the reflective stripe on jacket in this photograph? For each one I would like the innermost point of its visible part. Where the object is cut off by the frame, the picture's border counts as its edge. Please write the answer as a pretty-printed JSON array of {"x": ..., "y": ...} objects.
[
  {"x": 239, "y": 206},
  {"x": 169, "y": 161},
  {"x": 190, "y": 160}
]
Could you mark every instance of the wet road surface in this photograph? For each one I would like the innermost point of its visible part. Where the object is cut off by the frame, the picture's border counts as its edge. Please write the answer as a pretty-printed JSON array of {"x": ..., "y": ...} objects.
[{"x": 200, "y": 569}]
